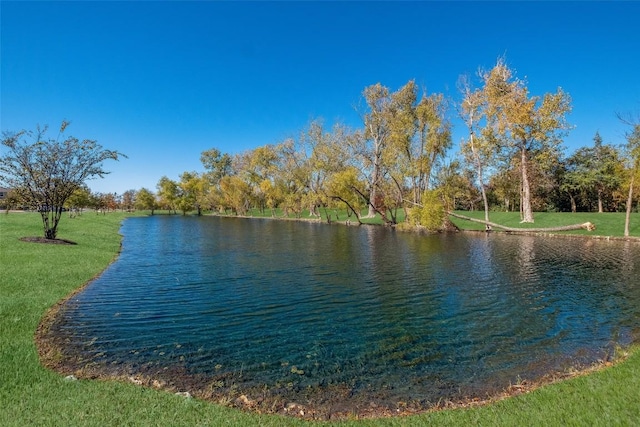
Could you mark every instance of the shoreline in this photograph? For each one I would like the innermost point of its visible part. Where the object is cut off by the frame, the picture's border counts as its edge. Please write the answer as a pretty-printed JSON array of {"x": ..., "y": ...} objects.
[
  {"x": 51, "y": 351},
  {"x": 347, "y": 223}
]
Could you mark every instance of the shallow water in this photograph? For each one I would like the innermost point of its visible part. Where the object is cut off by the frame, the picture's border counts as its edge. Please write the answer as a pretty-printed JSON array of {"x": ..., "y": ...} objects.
[{"x": 319, "y": 313}]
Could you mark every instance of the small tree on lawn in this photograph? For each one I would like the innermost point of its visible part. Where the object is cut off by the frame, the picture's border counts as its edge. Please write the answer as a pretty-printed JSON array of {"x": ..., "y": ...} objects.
[{"x": 45, "y": 172}]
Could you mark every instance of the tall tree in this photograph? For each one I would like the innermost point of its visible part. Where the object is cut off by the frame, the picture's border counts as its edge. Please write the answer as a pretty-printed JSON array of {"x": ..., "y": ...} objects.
[
  {"x": 476, "y": 149},
  {"x": 605, "y": 161},
  {"x": 322, "y": 154},
  {"x": 420, "y": 138},
  {"x": 524, "y": 124},
  {"x": 292, "y": 180},
  {"x": 45, "y": 172},
  {"x": 256, "y": 167},
  {"x": 633, "y": 150},
  {"x": 403, "y": 140},
  {"x": 217, "y": 164},
  {"x": 377, "y": 133}
]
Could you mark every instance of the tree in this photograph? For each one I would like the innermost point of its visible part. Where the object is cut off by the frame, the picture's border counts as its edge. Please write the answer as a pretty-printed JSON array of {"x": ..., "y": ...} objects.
[
  {"x": 504, "y": 189},
  {"x": 432, "y": 143},
  {"x": 376, "y": 134},
  {"x": 320, "y": 155},
  {"x": 46, "y": 172},
  {"x": 79, "y": 199},
  {"x": 194, "y": 189},
  {"x": 430, "y": 215},
  {"x": 403, "y": 140},
  {"x": 103, "y": 202},
  {"x": 476, "y": 150},
  {"x": 420, "y": 137},
  {"x": 340, "y": 189},
  {"x": 168, "y": 194},
  {"x": 292, "y": 179},
  {"x": 128, "y": 200},
  {"x": 594, "y": 172},
  {"x": 236, "y": 193},
  {"x": 217, "y": 165},
  {"x": 457, "y": 188},
  {"x": 633, "y": 149},
  {"x": 523, "y": 125},
  {"x": 146, "y": 200},
  {"x": 11, "y": 201}
]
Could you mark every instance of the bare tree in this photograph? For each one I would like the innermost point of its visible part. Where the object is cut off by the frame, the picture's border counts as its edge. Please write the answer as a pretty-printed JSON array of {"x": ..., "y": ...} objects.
[{"x": 45, "y": 172}]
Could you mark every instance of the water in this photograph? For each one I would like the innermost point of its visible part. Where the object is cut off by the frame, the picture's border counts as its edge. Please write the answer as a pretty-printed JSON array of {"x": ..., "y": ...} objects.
[{"x": 334, "y": 315}]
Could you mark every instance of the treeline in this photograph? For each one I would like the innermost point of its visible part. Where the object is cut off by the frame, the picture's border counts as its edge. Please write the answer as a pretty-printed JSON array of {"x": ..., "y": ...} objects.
[{"x": 398, "y": 161}]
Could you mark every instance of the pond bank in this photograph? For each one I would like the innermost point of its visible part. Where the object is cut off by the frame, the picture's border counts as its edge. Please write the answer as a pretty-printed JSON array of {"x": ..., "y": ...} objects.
[
  {"x": 268, "y": 402},
  {"x": 32, "y": 395}
]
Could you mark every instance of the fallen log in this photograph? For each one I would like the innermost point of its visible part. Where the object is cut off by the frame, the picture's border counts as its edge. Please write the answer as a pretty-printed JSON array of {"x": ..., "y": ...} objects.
[{"x": 584, "y": 226}]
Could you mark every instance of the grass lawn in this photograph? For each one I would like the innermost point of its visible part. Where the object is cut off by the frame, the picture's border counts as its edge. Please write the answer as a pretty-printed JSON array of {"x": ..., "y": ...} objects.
[
  {"x": 607, "y": 224},
  {"x": 33, "y": 277}
]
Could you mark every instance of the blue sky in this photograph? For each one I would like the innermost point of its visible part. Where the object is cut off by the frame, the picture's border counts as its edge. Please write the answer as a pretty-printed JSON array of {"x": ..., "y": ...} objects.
[{"x": 164, "y": 81}]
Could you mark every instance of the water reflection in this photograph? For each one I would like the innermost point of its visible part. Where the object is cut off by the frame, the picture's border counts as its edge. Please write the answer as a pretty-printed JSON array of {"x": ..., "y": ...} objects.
[{"x": 333, "y": 314}]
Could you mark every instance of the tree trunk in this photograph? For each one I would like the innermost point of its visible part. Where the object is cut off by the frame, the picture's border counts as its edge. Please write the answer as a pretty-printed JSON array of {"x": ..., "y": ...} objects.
[
  {"x": 50, "y": 220},
  {"x": 476, "y": 156},
  {"x": 600, "y": 210},
  {"x": 355, "y": 213},
  {"x": 527, "y": 212},
  {"x": 629, "y": 203},
  {"x": 573, "y": 203},
  {"x": 373, "y": 191},
  {"x": 586, "y": 226},
  {"x": 486, "y": 204}
]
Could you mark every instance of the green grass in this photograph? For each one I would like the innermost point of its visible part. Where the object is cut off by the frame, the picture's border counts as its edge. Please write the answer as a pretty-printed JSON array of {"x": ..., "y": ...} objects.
[
  {"x": 607, "y": 224},
  {"x": 33, "y": 277}
]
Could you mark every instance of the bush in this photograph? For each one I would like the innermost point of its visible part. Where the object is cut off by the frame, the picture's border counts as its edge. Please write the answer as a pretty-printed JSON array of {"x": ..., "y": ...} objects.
[{"x": 431, "y": 215}]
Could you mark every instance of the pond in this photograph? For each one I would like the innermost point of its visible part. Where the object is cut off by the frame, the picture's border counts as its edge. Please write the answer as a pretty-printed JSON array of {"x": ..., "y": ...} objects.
[{"x": 348, "y": 319}]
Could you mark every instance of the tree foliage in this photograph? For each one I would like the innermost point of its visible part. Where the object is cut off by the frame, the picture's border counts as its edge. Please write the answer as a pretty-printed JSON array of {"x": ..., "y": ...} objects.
[
  {"x": 146, "y": 200},
  {"x": 594, "y": 173},
  {"x": 523, "y": 125}
]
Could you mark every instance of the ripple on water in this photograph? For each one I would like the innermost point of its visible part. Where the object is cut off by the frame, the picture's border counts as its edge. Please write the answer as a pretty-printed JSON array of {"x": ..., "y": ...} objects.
[{"x": 382, "y": 316}]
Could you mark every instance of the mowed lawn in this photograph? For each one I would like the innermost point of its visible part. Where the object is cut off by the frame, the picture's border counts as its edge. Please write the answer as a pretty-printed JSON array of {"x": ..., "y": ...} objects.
[
  {"x": 33, "y": 277},
  {"x": 607, "y": 223}
]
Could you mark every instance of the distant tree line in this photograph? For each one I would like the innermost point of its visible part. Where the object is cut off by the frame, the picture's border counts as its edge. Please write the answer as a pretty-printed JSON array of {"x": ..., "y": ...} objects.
[
  {"x": 398, "y": 162},
  {"x": 512, "y": 160}
]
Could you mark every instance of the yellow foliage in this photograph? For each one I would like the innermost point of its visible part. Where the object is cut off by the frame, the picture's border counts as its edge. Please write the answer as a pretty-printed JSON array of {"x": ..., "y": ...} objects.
[{"x": 431, "y": 214}]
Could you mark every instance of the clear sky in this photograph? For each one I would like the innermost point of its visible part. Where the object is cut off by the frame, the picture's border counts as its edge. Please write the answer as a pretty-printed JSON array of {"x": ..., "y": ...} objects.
[{"x": 164, "y": 81}]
